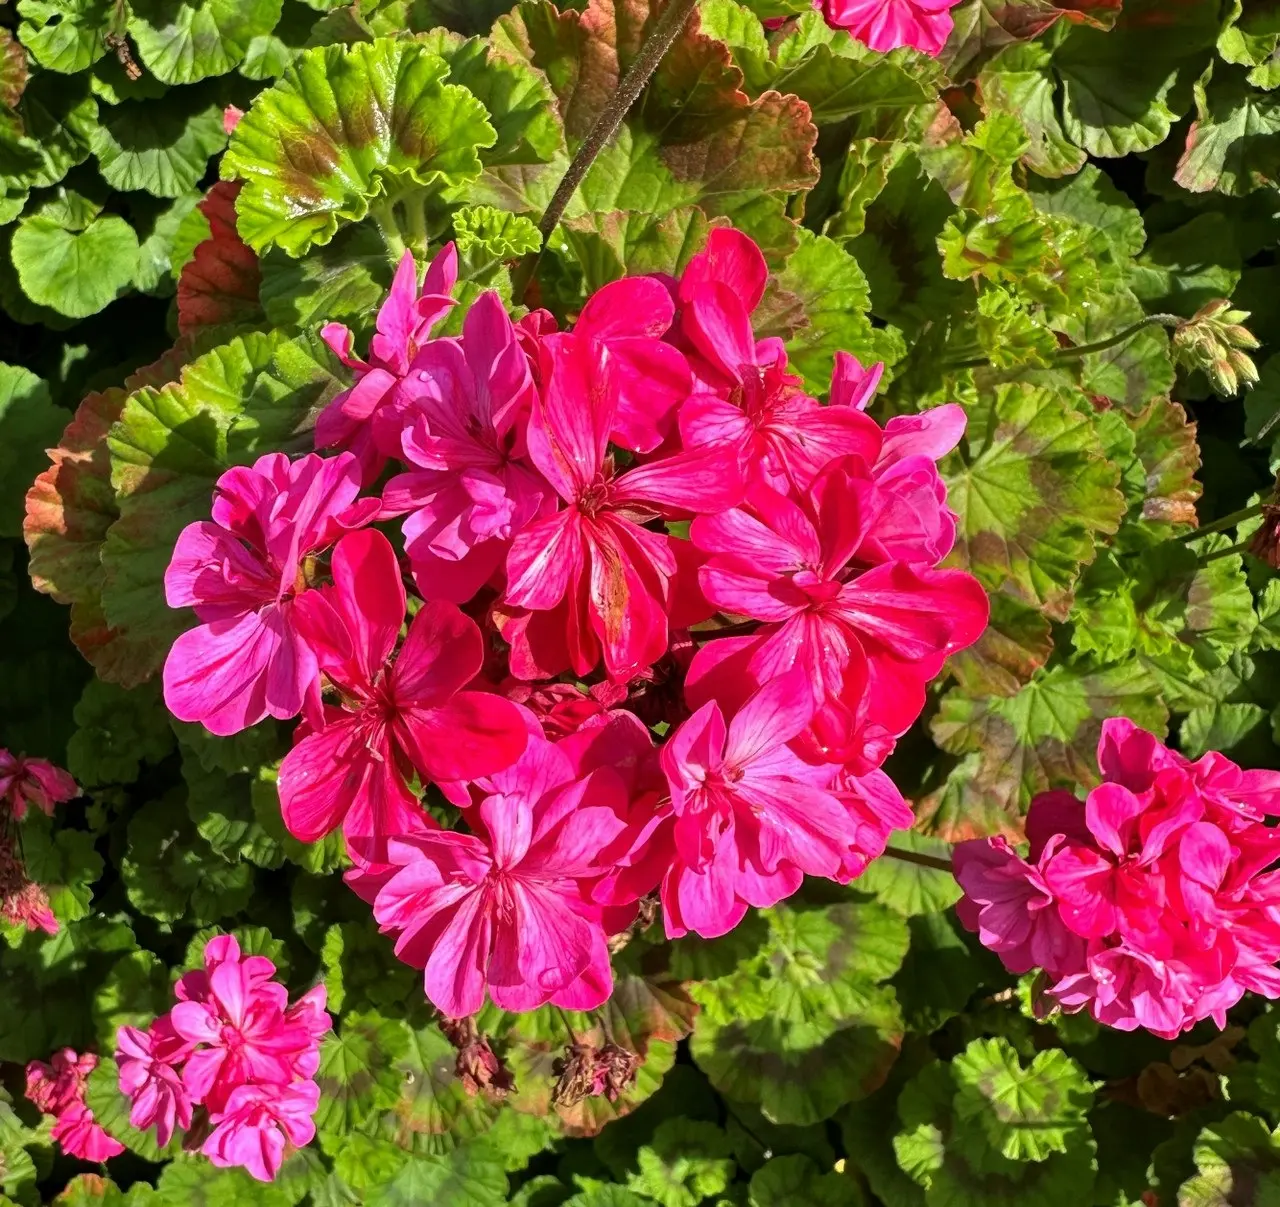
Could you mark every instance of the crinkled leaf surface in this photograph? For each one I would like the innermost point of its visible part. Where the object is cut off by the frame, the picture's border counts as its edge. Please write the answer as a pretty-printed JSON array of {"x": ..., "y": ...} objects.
[
  {"x": 29, "y": 423},
  {"x": 344, "y": 128},
  {"x": 188, "y": 40}
]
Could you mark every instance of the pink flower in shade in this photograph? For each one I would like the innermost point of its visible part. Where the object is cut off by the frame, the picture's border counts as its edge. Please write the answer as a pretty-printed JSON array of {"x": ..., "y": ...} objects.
[
  {"x": 508, "y": 909},
  {"x": 865, "y": 632},
  {"x": 22, "y": 901},
  {"x": 887, "y": 24},
  {"x": 258, "y": 1122},
  {"x": 1011, "y": 910},
  {"x": 591, "y": 580},
  {"x": 243, "y": 573},
  {"x": 25, "y": 782},
  {"x": 234, "y": 1017},
  {"x": 745, "y": 400},
  {"x": 751, "y": 818},
  {"x": 152, "y": 1083},
  {"x": 396, "y": 715},
  {"x": 59, "y": 1084},
  {"x": 58, "y": 1089},
  {"x": 471, "y": 492},
  {"x": 367, "y": 418},
  {"x": 80, "y": 1135}
]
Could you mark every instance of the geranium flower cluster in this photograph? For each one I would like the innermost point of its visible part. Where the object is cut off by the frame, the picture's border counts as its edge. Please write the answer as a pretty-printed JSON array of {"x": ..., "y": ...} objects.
[
  {"x": 26, "y": 783},
  {"x": 234, "y": 1050},
  {"x": 643, "y": 520},
  {"x": 58, "y": 1089},
  {"x": 1150, "y": 904}
]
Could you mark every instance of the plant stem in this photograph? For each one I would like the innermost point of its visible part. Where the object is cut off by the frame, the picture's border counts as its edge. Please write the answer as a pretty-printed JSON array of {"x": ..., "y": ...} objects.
[
  {"x": 1079, "y": 350},
  {"x": 925, "y": 861},
  {"x": 1243, "y": 547},
  {"x": 1227, "y": 521},
  {"x": 655, "y": 47},
  {"x": 1152, "y": 320}
]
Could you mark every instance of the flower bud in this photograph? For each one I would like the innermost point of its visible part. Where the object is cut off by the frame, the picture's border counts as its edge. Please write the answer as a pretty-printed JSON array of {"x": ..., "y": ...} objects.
[{"x": 1213, "y": 340}]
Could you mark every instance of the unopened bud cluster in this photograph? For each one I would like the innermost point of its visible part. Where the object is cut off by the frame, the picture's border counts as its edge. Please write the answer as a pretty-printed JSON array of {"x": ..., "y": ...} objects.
[{"x": 1216, "y": 340}]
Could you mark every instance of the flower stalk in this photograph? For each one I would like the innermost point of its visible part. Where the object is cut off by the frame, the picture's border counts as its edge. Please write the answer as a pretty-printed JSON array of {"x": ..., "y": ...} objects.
[{"x": 654, "y": 50}]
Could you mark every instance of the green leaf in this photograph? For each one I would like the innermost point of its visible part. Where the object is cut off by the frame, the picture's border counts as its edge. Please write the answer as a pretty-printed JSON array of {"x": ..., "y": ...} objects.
[
  {"x": 687, "y": 1161},
  {"x": 911, "y": 889},
  {"x": 186, "y": 41},
  {"x": 805, "y": 1025},
  {"x": 1183, "y": 269},
  {"x": 75, "y": 273},
  {"x": 739, "y": 159},
  {"x": 58, "y": 117},
  {"x": 375, "y": 120},
  {"x": 1020, "y": 81},
  {"x": 222, "y": 808},
  {"x": 64, "y": 863},
  {"x": 159, "y": 240},
  {"x": 796, "y": 1181},
  {"x": 472, "y": 1177},
  {"x": 1238, "y": 1162},
  {"x": 65, "y": 35},
  {"x": 162, "y": 148},
  {"x": 357, "y": 1075},
  {"x": 1026, "y": 1113},
  {"x": 1044, "y": 737},
  {"x": 833, "y": 297},
  {"x": 345, "y": 280},
  {"x": 939, "y": 975},
  {"x": 489, "y": 234},
  {"x": 191, "y": 1181},
  {"x": 1233, "y": 146},
  {"x": 134, "y": 993},
  {"x": 13, "y": 70},
  {"x": 172, "y": 875},
  {"x": 618, "y": 244},
  {"x": 1033, "y": 493},
  {"x": 116, "y": 732},
  {"x": 29, "y": 424}
]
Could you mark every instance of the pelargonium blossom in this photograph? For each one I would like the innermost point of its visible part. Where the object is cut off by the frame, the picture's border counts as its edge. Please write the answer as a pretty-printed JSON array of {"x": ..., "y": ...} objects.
[
  {"x": 25, "y": 782},
  {"x": 242, "y": 573},
  {"x": 471, "y": 489},
  {"x": 366, "y": 418},
  {"x": 351, "y": 765},
  {"x": 746, "y": 818},
  {"x": 591, "y": 581},
  {"x": 885, "y": 25},
  {"x": 234, "y": 1045},
  {"x": 861, "y": 628},
  {"x": 1153, "y": 903},
  {"x": 745, "y": 400},
  {"x": 507, "y": 909},
  {"x": 58, "y": 1089}
]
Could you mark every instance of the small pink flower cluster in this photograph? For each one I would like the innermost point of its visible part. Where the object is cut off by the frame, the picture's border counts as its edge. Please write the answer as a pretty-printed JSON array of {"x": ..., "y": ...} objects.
[
  {"x": 58, "y": 1089},
  {"x": 547, "y": 479},
  {"x": 1150, "y": 904},
  {"x": 25, "y": 783},
  {"x": 233, "y": 1046}
]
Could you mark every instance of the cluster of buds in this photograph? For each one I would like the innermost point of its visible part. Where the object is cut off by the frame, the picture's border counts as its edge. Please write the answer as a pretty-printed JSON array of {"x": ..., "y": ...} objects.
[{"x": 1216, "y": 340}]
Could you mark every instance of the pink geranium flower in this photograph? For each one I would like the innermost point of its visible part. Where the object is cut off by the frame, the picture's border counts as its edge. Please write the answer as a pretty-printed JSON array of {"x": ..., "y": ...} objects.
[
  {"x": 591, "y": 580},
  {"x": 508, "y": 909},
  {"x": 242, "y": 573},
  {"x": 751, "y": 818},
  {"x": 152, "y": 1083},
  {"x": 1010, "y": 908},
  {"x": 366, "y": 418},
  {"x": 58, "y": 1089},
  {"x": 472, "y": 491},
  {"x": 745, "y": 400},
  {"x": 860, "y": 630},
  {"x": 233, "y": 1018},
  {"x": 256, "y": 1124},
  {"x": 25, "y": 782},
  {"x": 887, "y": 24},
  {"x": 1151, "y": 903},
  {"x": 396, "y": 716}
]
